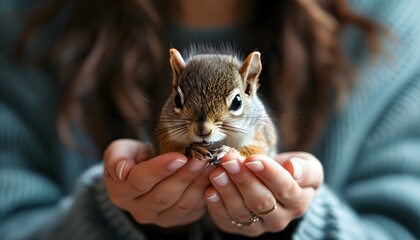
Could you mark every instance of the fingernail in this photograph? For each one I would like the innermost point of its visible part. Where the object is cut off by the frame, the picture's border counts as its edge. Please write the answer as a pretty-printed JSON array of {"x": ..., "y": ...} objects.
[
  {"x": 196, "y": 165},
  {"x": 120, "y": 169},
  {"x": 214, "y": 198},
  {"x": 176, "y": 164},
  {"x": 255, "y": 166},
  {"x": 297, "y": 168},
  {"x": 232, "y": 166},
  {"x": 221, "y": 180}
]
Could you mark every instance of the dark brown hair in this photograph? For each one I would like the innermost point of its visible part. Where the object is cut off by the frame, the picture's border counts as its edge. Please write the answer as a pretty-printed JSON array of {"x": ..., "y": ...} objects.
[{"x": 112, "y": 55}]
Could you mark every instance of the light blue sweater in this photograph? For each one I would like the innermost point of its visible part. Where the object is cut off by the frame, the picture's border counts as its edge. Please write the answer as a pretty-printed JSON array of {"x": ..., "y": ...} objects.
[{"x": 370, "y": 151}]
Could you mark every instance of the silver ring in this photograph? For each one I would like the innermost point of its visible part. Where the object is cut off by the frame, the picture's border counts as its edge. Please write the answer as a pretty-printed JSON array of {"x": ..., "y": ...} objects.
[{"x": 251, "y": 221}]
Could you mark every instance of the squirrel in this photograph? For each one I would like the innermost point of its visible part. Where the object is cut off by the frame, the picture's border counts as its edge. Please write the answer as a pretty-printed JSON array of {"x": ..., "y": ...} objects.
[{"x": 214, "y": 108}]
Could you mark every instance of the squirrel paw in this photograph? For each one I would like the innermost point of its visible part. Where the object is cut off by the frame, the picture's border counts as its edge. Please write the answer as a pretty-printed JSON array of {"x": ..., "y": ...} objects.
[
  {"x": 198, "y": 151},
  {"x": 219, "y": 153}
]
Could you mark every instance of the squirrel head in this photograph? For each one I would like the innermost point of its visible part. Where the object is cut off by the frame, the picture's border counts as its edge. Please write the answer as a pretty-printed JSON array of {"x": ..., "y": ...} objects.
[{"x": 212, "y": 94}]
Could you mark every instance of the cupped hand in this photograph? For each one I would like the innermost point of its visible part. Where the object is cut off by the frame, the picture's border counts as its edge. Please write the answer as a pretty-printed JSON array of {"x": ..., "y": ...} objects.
[
  {"x": 166, "y": 190},
  {"x": 254, "y": 195}
]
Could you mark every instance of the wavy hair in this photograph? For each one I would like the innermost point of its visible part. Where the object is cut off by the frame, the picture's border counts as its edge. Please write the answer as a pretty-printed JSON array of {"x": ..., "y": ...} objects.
[{"x": 112, "y": 58}]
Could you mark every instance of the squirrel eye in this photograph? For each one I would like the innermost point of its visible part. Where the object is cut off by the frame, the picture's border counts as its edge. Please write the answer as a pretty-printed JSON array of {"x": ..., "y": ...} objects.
[
  {"x": 178, "y": 102},
  {"x": 236, "y": 105}
]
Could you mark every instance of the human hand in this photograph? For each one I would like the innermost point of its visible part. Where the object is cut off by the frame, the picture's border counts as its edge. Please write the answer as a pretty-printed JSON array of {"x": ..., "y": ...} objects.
[
  {"x": 166, "y": 190},
  {"x": 258, "y": 194}
]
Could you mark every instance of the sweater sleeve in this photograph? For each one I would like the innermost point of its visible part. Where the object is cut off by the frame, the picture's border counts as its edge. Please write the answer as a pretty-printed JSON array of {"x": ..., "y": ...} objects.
[
  {"x": 380, "y": 199},
  {"x": 371, "y": 153},
  {"x": 89, "y": 214},
  {"x": 26, "y": 194},
  {"x": 47, "y": 191}
]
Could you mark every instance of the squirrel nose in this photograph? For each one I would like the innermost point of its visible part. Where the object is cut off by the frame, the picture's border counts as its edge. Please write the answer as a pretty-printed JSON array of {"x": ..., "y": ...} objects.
[
  {"x": 204, "y": 129},
  {"x": 204, "y": 134}
]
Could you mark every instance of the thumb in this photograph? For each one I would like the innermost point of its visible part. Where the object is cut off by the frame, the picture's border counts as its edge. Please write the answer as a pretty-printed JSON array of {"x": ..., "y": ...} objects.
[
  {"x": 305, "y": 168},
  {"x": 122, "y": 155}
]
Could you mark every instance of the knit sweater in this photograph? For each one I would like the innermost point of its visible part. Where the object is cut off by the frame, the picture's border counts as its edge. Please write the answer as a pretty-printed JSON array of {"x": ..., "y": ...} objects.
[{"x": 370, "y": 151}]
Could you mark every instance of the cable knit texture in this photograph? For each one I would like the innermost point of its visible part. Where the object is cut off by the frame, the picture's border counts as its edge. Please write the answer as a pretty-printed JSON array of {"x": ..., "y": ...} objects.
[{"x": 370, "y": 151}]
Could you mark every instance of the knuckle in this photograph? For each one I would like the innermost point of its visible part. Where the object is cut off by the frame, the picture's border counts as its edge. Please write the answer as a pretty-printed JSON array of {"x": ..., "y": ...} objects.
[
  {"x": 262, "y": 205},
  {"x": 185, "y": 206},
  {"x": 139, "y": 187},
  {"x": 161, "y": 199},
  {"x": 281, "y": 193},
  {"x": 284, "y": 192}
]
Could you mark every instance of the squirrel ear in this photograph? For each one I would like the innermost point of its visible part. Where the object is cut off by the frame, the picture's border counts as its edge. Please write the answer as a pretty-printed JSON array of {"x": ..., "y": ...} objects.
[
  {"x": 250, "y": 71},
  {"x": 177, "y": 65}
]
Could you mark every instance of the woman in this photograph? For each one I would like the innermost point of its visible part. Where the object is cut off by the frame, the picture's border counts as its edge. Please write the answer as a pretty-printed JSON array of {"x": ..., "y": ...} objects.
[{"x": 330, "y": 102}]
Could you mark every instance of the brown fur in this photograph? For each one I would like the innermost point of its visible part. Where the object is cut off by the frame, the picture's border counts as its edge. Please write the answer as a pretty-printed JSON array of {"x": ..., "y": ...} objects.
[
  {"x": 263, "y": 144},
  {"x": 205, "y": 83}
]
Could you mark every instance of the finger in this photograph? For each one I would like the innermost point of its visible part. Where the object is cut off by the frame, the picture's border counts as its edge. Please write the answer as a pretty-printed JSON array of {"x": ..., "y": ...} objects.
[
  {"x": 217, "y": 209},
  {"x": 142, "y": 177},
  {"x": 230, "y": 195},
  {"x": 145, "y": 175},
  {"x": 221, "y": 217},
  {"x": 161, "y": 192},
  {"x": 281, "y": 184},
  {"x": 121, "y": 155},
  {"x": 192, "y": 197},
  {"x": 284, "y": 158},
  {"x": 248, "y": 184},
  {"x": 273, "y": 221},
  {"x": 304, "y": 167},
  {"x": 306, "y": 172},
  {"x": 280, "y": 216},
  {"x": 197, "y": 212}
]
